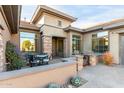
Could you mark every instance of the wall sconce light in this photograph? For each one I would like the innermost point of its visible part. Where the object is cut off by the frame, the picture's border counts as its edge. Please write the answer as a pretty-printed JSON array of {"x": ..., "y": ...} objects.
[{"x": 1, "y": 27}]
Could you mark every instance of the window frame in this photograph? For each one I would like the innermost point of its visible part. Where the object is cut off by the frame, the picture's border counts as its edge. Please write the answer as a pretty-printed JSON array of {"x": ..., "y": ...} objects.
[
  {"x": 77, "y": 39},
  {"x": 35, "y": 41},
  {"x": 59, "y": 23},
  {"x": 98, "y": 42}
]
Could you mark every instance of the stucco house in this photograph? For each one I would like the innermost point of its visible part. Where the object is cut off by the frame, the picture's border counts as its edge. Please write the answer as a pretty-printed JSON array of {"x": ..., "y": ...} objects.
[{"x": 50, "y": 31}]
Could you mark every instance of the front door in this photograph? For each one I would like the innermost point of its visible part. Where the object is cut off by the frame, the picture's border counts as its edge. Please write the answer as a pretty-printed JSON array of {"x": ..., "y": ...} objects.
[
  {"x": 60, "y": 47},
  {"x": 122, "y": 50},
  {"x": 54, "y": 47}
]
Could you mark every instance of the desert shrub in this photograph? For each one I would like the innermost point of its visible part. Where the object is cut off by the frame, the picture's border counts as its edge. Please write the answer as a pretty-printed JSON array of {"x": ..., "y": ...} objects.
[
  {"x": 107, "y": 58},
  {"x": 14, "y": 60}
]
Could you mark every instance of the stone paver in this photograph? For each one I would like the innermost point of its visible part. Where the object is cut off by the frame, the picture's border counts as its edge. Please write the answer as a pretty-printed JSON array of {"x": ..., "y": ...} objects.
[{"x": 102, "y": 76}]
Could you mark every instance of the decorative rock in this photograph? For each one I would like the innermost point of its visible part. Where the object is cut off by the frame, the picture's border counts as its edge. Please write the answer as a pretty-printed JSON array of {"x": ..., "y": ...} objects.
[
  {"x": 53, "y": 85},
  {"x": 93, "y": 60}
]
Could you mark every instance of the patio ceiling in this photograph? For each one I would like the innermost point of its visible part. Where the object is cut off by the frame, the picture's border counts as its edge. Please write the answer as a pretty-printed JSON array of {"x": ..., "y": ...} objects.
[{"x": 12, "y": 14}]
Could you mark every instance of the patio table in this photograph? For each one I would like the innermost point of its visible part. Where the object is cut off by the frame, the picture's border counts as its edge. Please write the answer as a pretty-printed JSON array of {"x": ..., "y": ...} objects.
[{"x": 41, "y": 58}]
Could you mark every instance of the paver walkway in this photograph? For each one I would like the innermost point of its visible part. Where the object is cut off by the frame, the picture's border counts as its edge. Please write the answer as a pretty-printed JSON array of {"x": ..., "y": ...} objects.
[{"x": 102, "y": 76}]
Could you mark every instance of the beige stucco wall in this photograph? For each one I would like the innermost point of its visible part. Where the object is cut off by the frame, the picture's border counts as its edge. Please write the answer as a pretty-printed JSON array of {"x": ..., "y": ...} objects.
[
  {"x": 88, "y": 41},
  {"x": 41, "y": 21},
  {"x": 6, "y": 36},
  {"x": 51, "y": 27},
  {"x": 59, "y": 74},
  {"x": 52, "y": 31},
  {"x": 114, "y": 46},
  {"x": 115, "y": 43},
  {"x": 15, "y": 40},
  {"x": 53, "y": 20}
]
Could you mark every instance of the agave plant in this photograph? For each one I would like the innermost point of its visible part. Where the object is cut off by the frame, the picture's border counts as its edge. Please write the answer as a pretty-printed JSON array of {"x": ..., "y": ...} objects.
[{"x": 76, "y": 81}]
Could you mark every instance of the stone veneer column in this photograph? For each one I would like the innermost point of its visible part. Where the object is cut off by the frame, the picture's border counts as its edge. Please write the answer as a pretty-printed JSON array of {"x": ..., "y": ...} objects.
[
  {"x": 65, "y": 47},
  {"x": 79, "y": 61},
  {"x": 1, "y": 53},
  {"x": 47, "y": 44}
]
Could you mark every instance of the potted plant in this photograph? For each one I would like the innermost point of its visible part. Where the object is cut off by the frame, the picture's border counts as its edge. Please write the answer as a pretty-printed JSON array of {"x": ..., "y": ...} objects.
[{"x": 107, "y": 58}]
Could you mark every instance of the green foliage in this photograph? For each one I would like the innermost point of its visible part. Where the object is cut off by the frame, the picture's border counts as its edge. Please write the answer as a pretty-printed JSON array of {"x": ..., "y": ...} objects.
[
  {"x": 14, "y": 61},
  {"x": 76, "y": 81},
  {"x": 53, "y": 85}
]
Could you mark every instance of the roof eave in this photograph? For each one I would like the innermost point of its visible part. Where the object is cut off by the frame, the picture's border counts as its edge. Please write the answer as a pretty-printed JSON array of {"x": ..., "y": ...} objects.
[
  {"x": 73, "y": 29},
  {"x": 12, "y": 14},
  {"x": 92, "y": 30},
  {"x": 45, "y": 9}
]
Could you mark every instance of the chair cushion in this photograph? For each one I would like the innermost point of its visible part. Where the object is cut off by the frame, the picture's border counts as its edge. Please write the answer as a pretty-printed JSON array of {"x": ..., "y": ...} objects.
[{"x": 45, "y": 60}]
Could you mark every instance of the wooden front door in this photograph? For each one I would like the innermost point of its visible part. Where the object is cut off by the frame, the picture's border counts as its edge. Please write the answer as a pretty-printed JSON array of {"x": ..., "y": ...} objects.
[
  {"x": 54, "y": 47},
  {"x": 60, "y": 47}
]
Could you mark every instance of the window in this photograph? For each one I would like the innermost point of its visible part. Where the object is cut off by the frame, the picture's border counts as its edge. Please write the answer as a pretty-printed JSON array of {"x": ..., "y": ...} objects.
[
  {"x": 27, "y": 41},
  {"x": 100, "y": 42},
  {"x": 75, "y": 44},
  {"x": 59, "y": 23}
]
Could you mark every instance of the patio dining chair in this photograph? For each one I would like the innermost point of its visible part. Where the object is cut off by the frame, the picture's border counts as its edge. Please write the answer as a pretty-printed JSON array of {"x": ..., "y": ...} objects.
[
  {"x": 31, "y": 60},
  {"x": 41, "y": 58},
  {"x": 46, "y": 60}
]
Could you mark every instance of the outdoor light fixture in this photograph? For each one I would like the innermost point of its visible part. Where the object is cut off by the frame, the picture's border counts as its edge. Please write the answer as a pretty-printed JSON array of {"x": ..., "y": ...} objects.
[{"x": 1, "y": 27}]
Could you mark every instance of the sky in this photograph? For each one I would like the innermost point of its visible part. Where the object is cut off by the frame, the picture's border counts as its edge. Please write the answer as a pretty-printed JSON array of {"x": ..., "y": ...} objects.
[{"x": 87, "y": 15}]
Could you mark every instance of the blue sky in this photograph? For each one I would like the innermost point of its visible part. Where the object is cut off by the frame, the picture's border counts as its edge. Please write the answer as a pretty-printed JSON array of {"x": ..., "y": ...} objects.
[{"x": 88, "y": 15}]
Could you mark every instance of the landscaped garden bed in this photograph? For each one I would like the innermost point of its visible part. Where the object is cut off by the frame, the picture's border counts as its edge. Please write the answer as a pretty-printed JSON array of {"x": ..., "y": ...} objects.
[{"x": 73, "y": 82}]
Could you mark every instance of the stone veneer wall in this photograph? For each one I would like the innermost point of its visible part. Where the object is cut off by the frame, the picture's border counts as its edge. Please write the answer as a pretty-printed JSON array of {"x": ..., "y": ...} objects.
[
  {"x": 1, "y": 52},
  {"x": 47, "y": 44}
]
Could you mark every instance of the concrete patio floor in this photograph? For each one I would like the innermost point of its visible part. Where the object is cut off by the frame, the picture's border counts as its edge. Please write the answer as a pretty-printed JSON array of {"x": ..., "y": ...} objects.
[{"x": 102, "y": 76}]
